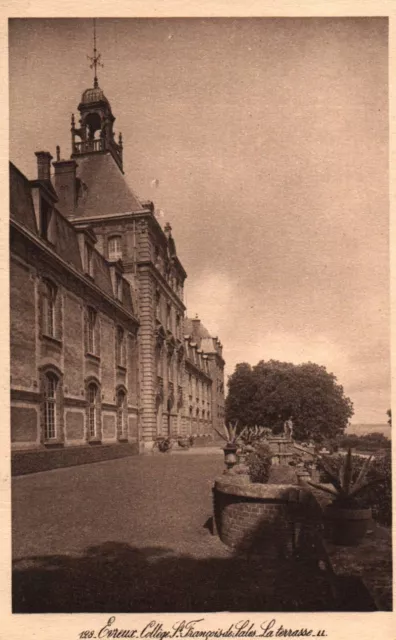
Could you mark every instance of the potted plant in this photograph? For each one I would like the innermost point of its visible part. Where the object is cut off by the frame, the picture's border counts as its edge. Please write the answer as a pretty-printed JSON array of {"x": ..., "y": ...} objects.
[
  {"x": 231, "y": 438},
  {"x": 164, "y": 444},
  {"x": 183, "y": 442},
  {"x": 191, "y": 440},
  {"x": 347, "y": 522}
]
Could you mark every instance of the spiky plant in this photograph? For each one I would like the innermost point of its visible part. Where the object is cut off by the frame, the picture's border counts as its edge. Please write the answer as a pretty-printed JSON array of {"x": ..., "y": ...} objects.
[
  {"x": 253, "y": 435},
  {"x": 345, "y": 489},
  {"x": 230, "y": 434}
]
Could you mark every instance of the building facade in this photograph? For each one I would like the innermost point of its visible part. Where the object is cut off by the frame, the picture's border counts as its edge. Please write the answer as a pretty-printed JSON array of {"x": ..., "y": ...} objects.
[
  {"x": 100, "y": 347},
  {"x": 204, "y": 370}
]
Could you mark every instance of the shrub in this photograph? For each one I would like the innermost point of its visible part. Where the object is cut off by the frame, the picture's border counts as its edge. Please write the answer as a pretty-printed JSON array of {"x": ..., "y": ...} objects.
[
  {"x": 259, "y": 463},
  {"x": 368, "y": 442},
  {"x": 379, "y": 495}
]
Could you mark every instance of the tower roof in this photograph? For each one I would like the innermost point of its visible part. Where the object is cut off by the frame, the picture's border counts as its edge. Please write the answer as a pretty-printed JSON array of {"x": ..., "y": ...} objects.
[
  {"x": 93, "y": 95},
  {"x": 103, "y": 188}
]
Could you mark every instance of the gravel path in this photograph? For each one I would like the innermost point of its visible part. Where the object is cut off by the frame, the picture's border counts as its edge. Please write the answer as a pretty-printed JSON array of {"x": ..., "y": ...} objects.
[{"x": 131, "y": 535}]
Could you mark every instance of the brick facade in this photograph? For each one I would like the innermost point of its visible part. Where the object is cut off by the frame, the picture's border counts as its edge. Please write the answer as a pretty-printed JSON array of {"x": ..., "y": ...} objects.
[
  {"x": 99, "y": 348},
  {"x": 52, "y": 368}
]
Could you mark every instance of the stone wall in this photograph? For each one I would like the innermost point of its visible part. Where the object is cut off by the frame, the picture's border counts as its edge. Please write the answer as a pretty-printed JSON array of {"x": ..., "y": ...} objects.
[{"x": 255, "y": 517}]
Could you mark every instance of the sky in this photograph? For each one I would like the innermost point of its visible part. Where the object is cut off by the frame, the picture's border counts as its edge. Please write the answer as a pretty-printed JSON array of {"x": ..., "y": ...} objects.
[{"x": 265, "y": 143}]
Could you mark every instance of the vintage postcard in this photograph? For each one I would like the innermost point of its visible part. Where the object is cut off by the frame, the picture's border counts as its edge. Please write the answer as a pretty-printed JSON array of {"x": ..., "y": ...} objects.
[{"x": 197, "y": 259}]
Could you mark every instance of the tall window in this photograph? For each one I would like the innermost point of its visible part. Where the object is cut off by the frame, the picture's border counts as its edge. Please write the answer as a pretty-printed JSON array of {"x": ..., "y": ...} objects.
[
  {"x": 88, "y": 259},
  {"x": 121, "y": 413},
  {"x": 45, "y": 219},
  {"x": 168, "y": 317},
  {"x": 91, "y": 330},
  {"x": 170, "y": 368},
  {"x": 119, "y": 287},
  {"x": 49, "y": 308},
  {"x": 158, "y": 358},
  {"x": 120, "y": 347},
  {"x": 114, "y": 248},
  {"x": 158, "y": 305},
  {"x": 92, "y": 410},
  {"x": 51, "y": 383}
]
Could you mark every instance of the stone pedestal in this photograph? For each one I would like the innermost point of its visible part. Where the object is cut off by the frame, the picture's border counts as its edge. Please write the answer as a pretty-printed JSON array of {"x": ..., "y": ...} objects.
[{"x": 281, "y": 450}]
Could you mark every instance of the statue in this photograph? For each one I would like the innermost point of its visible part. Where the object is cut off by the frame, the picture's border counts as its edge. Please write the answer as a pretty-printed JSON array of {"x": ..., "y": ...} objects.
[{"x": 288, "y": 428}]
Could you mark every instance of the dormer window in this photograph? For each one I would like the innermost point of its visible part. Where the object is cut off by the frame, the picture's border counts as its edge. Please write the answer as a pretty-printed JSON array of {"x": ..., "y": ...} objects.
[{"x": 114, "y": 248}]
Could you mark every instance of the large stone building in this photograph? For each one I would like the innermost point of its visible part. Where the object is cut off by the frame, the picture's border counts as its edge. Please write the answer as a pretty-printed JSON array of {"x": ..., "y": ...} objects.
[{"x": 100, "y": 348}]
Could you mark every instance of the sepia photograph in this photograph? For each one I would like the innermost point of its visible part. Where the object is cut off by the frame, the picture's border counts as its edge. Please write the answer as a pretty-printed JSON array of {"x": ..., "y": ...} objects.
[{"x": 199, "y": 278}]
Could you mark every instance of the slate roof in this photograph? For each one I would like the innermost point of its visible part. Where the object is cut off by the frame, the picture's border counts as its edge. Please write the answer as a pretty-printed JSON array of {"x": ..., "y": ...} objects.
[
  {"x": 103, "y": 188},
  {"x": 64, "y": 240},
  {"x": 197, "y": 330},
  {"x": 21, "y": 203}
]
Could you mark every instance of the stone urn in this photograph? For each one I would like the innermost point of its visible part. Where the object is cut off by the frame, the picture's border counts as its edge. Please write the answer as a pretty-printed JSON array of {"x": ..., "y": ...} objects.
[{"x": 230, "y": 455}]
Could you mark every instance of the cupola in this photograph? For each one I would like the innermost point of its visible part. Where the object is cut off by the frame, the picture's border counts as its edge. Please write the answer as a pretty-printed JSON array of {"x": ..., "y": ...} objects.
[{"x": 95, "y": 133}]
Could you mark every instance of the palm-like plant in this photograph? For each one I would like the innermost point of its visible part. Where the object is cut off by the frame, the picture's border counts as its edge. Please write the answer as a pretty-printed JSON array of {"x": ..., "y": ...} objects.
[{"x": 344, "y": 488}]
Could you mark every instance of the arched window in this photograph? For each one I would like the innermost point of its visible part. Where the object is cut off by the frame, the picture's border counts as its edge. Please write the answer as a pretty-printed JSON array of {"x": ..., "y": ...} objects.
[
  {"x": 92, "y": 410},
  {"x": 121, "y": 414},
  {"x": 49, "y": 308},
  {"x": 114, "y": 248},
  {"x": 50, "y": 392}
]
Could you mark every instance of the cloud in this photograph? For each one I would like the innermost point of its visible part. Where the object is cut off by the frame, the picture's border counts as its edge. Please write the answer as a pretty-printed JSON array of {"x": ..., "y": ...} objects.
[{"x": 211, "y": 296}]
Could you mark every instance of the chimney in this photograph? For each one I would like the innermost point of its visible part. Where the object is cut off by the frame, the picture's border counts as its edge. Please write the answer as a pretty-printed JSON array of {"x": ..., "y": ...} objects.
[
  {"x": 43, "y": 165},
  {"x": 195, "y": 325},
  {"x": 168, "y": 230},
  {"x": 66, "y": 185}
]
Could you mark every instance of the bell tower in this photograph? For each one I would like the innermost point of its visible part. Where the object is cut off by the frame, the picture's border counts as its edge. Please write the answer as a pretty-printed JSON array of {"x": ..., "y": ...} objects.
[{"x": 95, "y": 133}]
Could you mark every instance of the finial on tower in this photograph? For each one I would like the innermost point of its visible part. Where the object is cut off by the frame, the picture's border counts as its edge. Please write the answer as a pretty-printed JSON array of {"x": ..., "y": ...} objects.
[{"x": 95, "y": 59}]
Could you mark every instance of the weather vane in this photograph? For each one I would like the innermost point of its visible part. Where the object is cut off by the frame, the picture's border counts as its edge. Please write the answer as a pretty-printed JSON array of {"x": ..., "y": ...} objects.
[{"x": 95, "y": 59}]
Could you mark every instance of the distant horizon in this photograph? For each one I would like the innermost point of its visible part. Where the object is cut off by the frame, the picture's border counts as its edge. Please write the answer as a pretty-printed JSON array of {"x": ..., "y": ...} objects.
[{"x": 371, "y": 424}]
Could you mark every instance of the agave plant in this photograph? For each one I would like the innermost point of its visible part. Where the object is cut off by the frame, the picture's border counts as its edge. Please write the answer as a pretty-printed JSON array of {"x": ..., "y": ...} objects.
[
  {"x": 344, "y": 488},
  {"x": 230, "y": 434}
]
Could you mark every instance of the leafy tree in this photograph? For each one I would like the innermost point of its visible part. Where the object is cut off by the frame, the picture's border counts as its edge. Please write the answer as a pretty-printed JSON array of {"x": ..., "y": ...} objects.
[{"x": 271, "y": 392}]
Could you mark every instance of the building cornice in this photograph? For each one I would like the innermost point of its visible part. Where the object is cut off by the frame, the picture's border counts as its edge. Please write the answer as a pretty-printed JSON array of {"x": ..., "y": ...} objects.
[{"x": 77, "y": 221}]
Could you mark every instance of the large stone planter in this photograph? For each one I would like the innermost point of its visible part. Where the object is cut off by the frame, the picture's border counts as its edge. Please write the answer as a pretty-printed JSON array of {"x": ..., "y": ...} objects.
[
  {"x": 346, "y": 526},
  {"x": 258, "y": 518}
]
